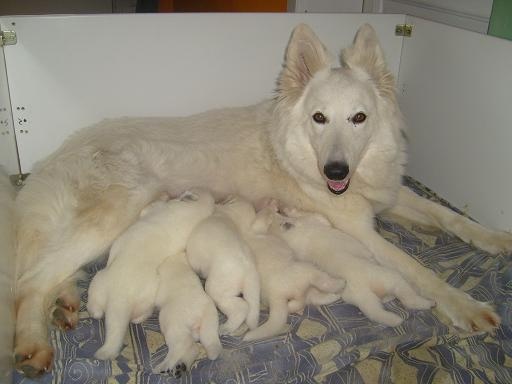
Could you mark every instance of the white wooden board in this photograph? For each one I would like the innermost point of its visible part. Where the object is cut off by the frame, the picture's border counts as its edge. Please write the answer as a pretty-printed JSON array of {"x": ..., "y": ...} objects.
[
  {"x": 457, "y": 100},
  {"x": 8, "y": 155},
  {"x": 71, "y": 71}
]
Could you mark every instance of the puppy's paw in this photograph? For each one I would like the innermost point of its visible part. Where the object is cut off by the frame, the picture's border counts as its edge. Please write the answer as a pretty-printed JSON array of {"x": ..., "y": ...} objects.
[
  {"x": 170, "y": 368},
  {"x": 420, "y": 303},
  {"x": 467, "y": 313},
  {"x": 33, "y": 359},
  {"x": 106, "y": 353}
]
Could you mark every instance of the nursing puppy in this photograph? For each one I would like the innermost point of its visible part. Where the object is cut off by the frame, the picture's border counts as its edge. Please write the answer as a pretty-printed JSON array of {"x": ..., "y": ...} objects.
[
  {"x": 125, "y": 290},
  {"x": 218, "y": 253},
  {"x": 187, "y": 314},
  {"x": 287, "y": 285},
  {"x": 313, "y": 239}
]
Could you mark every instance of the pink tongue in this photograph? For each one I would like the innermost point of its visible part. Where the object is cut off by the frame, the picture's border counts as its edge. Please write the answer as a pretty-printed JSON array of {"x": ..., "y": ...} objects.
[{"x": 337, "y": 185}]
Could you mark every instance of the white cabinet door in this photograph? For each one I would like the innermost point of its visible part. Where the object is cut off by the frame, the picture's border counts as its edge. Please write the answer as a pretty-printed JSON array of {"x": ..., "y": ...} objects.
[
  {"x": 67, "y": 72},
  {"x": 456, "y": 96},
  {"x": 8, "y": 154}
]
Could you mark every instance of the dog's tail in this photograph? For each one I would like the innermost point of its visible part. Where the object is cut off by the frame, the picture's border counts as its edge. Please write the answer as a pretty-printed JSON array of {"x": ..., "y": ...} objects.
[
  {"x": 278, "y": 314},
  {"x": 251, "y": 293},
  {"x": 209, "y": 332},
  {"x": 117, "y": 319}
]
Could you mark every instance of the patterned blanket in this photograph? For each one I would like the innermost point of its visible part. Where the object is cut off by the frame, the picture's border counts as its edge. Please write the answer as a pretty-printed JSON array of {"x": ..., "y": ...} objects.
[{"x": 330, "y": 344}]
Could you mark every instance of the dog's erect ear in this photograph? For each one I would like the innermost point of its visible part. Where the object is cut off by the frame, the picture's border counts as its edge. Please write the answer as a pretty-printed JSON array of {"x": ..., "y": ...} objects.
[
  {"x": 305, "y": 56},
  {"x": 366, "y": 53}
]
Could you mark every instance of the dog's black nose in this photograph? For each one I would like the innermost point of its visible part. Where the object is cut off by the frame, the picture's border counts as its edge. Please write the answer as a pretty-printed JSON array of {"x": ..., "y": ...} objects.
[{"x": 336, "y": 170}]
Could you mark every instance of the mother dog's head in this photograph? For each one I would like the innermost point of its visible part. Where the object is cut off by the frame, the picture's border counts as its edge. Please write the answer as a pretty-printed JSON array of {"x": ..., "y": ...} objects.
[{"x": 336, "y": 124}]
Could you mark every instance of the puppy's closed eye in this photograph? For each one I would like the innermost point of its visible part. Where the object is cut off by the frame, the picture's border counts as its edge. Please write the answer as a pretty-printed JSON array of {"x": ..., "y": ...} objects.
[{"x": 188, "y": 196}]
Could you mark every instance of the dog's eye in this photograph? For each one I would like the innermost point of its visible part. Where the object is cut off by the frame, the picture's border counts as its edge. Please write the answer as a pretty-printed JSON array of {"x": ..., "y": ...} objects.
[
  {"x": 358, "y": 118},
  {"x": 319, "y": 118}
]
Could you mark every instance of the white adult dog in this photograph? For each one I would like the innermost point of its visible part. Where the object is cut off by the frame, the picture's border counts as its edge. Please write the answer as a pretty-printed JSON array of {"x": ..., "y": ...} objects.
[
  {"x": 125, "y": 290},
  {"x": 330, "y": 142},
  {"x": 218, "y": 253},
  {"x": 187, "y": 314},
  {"x": 287, "y": 285},
  {"x": 313, "y": 239}
]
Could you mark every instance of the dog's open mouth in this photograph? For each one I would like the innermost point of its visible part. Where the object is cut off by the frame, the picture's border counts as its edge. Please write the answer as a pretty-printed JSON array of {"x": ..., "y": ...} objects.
[{"x": 338, "y": 186}]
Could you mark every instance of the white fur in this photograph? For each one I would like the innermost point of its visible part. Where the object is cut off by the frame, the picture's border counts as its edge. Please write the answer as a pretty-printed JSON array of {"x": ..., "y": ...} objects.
[
  {"x": 125, "y": 290},
  {"x": 187, "y": 314},
  {"x": 217, "y": 251},
  {"x": 313, "y": 239},
  {"x": 287, "y": 285},
  {"x": 78, "y": 200}
]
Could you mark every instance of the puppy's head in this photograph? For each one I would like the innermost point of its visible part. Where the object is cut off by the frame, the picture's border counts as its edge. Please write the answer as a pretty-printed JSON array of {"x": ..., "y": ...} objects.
[{"x": 239, "y": 210}]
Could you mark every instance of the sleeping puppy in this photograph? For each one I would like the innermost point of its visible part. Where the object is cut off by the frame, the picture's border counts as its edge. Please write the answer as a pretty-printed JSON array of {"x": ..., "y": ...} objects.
[
  {"x": 218, "y": 253},
  {"x": 287, "y": 285},
  {"x": 187, "y": 314},
  {"x": 125, "y": 290},
  {"x": 313, "y": 239}
]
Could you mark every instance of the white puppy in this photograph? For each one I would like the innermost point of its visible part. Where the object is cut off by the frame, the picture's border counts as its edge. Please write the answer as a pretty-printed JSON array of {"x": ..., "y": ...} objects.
[
  {"x": 125, "y": 290},
  {"x": 287, "y": 285},
  {"x": 187, "y": 314},
  {"x": 218, "y": 253},
  {"x": 313, "y": 239}
]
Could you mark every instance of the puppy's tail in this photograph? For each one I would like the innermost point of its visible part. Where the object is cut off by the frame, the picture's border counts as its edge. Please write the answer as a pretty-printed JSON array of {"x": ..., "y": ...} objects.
[
  {"x": 251, "y": 293},
  {"x": 209, "y": 332},
  {"x": 278, "y": 314},
  {"x": 117, "y": 319}
]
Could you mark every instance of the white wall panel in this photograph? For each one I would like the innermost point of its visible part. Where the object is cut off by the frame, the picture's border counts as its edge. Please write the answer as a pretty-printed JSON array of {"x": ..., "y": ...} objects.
[
  {"x": 456, "y": 97},
  {"x": 468, "y": 14},
  {"x": 68, "y": 72},
  {"x": 8, "y": 154}
]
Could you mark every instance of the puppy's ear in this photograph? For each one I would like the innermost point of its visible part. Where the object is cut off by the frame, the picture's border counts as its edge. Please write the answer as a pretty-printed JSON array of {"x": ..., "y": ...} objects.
[
  {"x": 366, "y": 53},
  {"x": 305, "y": 56},
  {"x": 188, "y": 196}
]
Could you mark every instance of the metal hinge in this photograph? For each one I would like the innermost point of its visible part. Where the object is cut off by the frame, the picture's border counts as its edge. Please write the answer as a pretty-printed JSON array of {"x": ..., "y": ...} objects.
[
  {"x": 8, "y": 38},
  {"x": 404, "y": 30},
  {"x": 19, "y": 179}
]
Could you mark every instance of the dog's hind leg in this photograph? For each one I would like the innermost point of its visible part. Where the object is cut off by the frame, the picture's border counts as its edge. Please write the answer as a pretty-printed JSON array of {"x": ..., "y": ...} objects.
[
  {"x": 251, "y": 293},
  {"x": 423, "y": 211},
  {"x": 278, "y": 314},
  {"x": 408, "y": 296},
  {"x": 370, "y": 304},
  {"x": 316, "y": 297},
  {"x": 66, "y": 305},
  {"x": 65, "y": 236},
  {"x": 117, "y": 319},
  {"x": 209, "y": 332},
  {"x": 235, "y": 308}
]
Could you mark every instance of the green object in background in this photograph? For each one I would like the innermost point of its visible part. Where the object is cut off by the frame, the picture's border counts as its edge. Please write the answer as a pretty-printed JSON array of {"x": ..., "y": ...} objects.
[{"x": 500, "y": 24}]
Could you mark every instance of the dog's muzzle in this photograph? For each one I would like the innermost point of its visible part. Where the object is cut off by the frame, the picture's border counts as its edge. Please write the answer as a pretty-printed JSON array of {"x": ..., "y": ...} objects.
[{"x": 336, "y": 173}]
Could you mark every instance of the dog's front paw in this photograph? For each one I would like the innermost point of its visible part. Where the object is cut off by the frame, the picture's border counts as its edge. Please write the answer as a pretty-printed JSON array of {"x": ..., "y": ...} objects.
[
  {"x": 33, "y": 359},
  {"x": 467, "y": 313}
]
